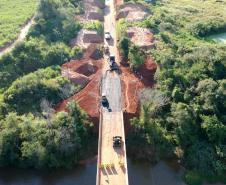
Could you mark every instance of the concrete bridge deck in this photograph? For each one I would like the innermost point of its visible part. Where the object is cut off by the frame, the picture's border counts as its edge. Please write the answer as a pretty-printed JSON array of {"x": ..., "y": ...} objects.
[{"x": 112, "y": 163}]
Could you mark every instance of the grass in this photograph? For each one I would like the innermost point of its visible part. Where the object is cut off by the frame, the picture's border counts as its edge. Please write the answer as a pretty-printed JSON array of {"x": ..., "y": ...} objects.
[
  {"x": 190, "y": 12},
  {"x": 196, "y": 9},
  {"x": 13, "y": 15}
]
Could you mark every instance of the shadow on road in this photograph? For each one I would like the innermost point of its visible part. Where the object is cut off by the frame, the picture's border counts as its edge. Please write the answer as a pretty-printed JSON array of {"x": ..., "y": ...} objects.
[
  {"x": 104, "y": 171},
  {"x": 109, "y": 171},
  {"x": 106, "y": 10},
  {"x": 114, "y": 171},
  {"x": 110, "y": 42}
]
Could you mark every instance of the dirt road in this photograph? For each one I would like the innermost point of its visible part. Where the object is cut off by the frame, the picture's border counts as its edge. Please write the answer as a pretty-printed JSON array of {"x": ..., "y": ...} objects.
[{"x": 112, "y": 163}]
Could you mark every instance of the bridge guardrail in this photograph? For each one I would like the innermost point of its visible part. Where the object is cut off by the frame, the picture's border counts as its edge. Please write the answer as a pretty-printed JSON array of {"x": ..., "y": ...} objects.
[{"x": 99, "y": 150}]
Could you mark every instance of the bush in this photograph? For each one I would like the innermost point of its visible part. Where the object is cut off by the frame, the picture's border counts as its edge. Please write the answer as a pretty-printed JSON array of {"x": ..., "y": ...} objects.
[
  {"x": 45, "y": 84},
  {"x": 124, "y": 45},
  {"x": 121, "y": 28},
  {"x": 94, "y": 25},
  {"x": 136, "y": 57},
  {"x": 55, "y": 21},
  {"x": 30, "y": 56},
  {"x": 52, "y": 142},
  {"x": 212, "y": 26},
  {"x": 193, "y": 178}
]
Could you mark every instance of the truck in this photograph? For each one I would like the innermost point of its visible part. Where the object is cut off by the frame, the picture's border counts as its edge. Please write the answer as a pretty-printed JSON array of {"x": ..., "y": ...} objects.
[{"x": 112, "y": 63}]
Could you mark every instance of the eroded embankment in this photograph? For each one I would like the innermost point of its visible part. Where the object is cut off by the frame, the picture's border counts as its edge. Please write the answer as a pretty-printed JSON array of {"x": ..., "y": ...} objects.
[
  {"x": 132, "y": 85},
  {"x": 86, "y": 73}
]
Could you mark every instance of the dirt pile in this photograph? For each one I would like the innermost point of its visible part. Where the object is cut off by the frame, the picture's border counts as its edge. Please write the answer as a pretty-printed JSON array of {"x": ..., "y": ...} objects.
[
  {"x": 86, "y": 37},
  {"x": 76, "y": 78},
  {"x": 87, "y": 73},
  {"x": 141, "y": 37},
  {"x": 132, "y": 12},
  {"x": 93, "y": 10}
]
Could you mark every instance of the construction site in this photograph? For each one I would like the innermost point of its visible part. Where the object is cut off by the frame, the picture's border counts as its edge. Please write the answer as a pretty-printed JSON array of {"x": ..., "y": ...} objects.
[{"x": 109, "y": 89}]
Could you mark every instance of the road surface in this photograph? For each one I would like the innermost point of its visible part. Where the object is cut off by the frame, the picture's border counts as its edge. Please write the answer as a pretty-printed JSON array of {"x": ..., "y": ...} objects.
[{"x": 112, "y": 163}]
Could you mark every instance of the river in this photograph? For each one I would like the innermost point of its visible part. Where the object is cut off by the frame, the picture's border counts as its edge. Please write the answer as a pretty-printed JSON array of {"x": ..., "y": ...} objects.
[
  {"x": 140, "y": 173},
  {"x": 221, "y": 38}
]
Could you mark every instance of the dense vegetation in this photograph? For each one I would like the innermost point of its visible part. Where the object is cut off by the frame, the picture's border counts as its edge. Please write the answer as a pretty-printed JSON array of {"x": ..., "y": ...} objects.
[
  {"x": 184, "y": 116},
  {"x": 29, "y": 56},
  {"x": 45, "y": 84},
  {"x": 32, "y": 134},
  {"x": 57, "y": 140},
  {"x": 14, "y": 14},
  {"x": 56, "y": 20}
]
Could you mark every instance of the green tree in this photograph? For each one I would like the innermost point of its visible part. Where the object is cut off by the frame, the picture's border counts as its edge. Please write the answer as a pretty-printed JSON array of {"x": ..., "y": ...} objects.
[
  {"x": 136, "y": 57},
  {"x": 124, "y": 45}
]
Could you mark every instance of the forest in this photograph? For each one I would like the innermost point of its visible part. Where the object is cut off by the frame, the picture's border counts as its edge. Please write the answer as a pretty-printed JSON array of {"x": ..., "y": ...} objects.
[
  {"x": 32, "y": 134},
  {"x": 183, "y": 117}
]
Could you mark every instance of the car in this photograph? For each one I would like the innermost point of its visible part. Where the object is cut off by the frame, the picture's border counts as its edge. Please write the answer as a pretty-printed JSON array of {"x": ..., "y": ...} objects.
[
  {"x": 107, "y": 35},
  {"x": 117, "y": 141},
  {"x": 112, "y": 58},
  {"x": 104, "y": 100},
  {"x": 112, "y": 63}
]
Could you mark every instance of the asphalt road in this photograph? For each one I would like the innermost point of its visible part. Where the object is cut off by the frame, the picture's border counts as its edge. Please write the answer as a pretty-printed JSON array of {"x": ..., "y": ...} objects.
[{"x": 111, "y": 88}]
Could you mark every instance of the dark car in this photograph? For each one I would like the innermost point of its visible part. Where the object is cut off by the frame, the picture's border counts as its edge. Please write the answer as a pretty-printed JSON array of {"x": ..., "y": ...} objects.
[
  {"x": 112, "y": 63},
  {"x": 117, "y": 141},
  {"x": 104, "y": 101}
]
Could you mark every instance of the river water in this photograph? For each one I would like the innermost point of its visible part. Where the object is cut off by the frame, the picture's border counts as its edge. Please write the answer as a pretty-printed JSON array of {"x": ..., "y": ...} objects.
[
  {"x": 221, "y": 38},
  {"x": 140, "y": 173}
]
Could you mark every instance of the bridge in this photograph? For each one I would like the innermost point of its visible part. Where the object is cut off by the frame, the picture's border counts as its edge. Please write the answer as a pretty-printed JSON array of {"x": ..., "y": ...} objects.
[{"x": 112, "y": 162}]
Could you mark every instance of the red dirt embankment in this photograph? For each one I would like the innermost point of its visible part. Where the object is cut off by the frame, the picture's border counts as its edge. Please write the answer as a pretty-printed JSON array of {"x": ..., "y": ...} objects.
[
  {"x": 88, "y": 97},
  {"x": 132, "y": 84}
]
